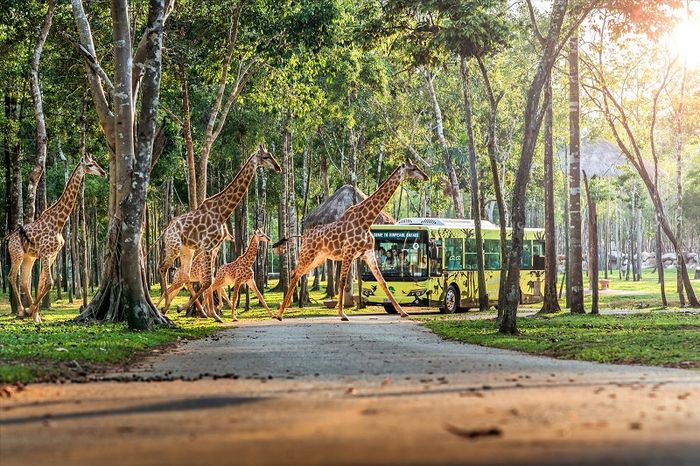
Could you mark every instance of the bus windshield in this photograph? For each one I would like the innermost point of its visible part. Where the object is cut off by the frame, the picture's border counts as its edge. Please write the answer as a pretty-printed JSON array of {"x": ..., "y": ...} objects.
[{"x": 401, "y": 254}]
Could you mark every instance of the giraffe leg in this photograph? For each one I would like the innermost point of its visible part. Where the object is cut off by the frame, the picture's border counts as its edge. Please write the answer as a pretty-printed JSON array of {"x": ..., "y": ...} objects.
[
  {"x": 24, "y": 282},
  {"x": 171, "y": 292},
  {"x": 234, "y": 301},
  {"x": 206, "y": 283},
  {"x": 13, "y": 276},
  {"x": 254, "y": 287},
  {"x": 183, "y": 272},
  {"x": 344, "y": 268},
  {"x": 45, "y": 285},
  {"x": 171, "y": 253},
  {"x": 14, "y": 247},
  {"x": 371, "y": 262},
  {"x": 197, "y": 304},
  {"x": 307, "y": 261},
  {"x": 224, "y": 296}
]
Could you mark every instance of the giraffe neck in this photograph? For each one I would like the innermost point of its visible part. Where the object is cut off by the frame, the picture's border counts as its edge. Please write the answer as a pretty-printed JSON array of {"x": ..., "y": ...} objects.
[
  {"x": 223, "y": 203},
  {"x": 57, "y": 214},
  {"x": 370, "y": 208},
  {"x": 251, "y": 252}
]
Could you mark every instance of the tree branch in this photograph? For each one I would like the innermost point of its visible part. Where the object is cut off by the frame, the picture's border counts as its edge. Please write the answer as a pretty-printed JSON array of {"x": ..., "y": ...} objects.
[{"x": 90, "y": 60}]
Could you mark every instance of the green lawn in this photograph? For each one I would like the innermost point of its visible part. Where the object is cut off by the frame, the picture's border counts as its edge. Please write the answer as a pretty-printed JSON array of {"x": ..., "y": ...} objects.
[
  {"x": 60, "y": 347},
  {"x": 652, "y": 338},
  {"x": 30, "y": 352}
]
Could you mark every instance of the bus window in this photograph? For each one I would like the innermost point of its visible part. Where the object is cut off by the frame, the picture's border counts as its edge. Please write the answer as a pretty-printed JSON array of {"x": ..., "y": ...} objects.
[
  {"x": 454, "y": 251},
  {"x": 435, "y": 256},
  {"x": 401, "y": 254},
  {"x": 470, "y": 256},
  {"x": 538, "y": 255},
  {"x": 526, "y": 260},
  {"x": 492, "y": 254}
]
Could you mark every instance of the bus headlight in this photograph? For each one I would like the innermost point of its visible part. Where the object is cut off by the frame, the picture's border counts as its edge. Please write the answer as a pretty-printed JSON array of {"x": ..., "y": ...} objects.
[{"x": 416, "y": 293}]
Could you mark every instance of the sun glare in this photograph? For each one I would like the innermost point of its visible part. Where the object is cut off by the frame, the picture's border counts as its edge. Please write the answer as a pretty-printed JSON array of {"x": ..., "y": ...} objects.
[{"x": 685, "y": 41}]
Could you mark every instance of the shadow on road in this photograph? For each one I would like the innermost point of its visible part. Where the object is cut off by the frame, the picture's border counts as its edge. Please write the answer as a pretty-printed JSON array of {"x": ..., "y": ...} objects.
[{"x": 187, "y": 404}]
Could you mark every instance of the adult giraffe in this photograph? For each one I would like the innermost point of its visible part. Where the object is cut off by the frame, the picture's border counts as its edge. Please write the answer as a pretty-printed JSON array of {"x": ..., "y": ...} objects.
[
  {"x": 198, "y": 269},
  {"x": 201, "y": 228},
  {"x": 42, "y": 239},
  {"x": 349, "y": 238}
]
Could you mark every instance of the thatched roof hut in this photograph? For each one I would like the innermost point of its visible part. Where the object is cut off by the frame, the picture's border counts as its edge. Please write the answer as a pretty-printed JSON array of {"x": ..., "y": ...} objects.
[
  {"x": 332, "y": 208},
  {"x": 603, "y": 159}
]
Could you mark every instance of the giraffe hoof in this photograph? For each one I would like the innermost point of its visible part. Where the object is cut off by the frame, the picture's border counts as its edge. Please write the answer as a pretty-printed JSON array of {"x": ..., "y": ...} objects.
[
  {"x": 345, "y": 319},
  {"x": 404, "y": 315},
  {"x": 279, "y": 318}
]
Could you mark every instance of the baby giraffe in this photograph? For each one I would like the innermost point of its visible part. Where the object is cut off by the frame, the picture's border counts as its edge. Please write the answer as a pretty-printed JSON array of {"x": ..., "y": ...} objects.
[{"x": 240, "y": 272}]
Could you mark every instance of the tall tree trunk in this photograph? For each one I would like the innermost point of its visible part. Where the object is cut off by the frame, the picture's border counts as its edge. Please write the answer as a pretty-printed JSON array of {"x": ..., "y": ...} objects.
[
  {"x": 592, "y": 245},
  {"x": 122, "y": 295},
  {"x": 532, "y": 120},
  {"x": 679, "y": 176},
  {"x": 480, "y": 271},
  {"x": 39, "y": 168},
  {"x": 331, "y": 292},
  {"x": 551, "y": 301},
  {"x": 282, "y": 210},
  {"x": 576, "y": 261},
  {"x": 451, "y": 174},
  {"x": 16, "y": 216},
  {"x": 192, "y": 192}
]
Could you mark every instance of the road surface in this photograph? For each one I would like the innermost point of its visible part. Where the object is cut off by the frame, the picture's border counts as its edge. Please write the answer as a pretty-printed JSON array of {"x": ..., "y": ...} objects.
[{"x": 376, "y": 390}]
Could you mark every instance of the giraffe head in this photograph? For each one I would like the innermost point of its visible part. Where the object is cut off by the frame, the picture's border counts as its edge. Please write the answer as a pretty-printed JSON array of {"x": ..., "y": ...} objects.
[
  {"x": 91, "y": 167},
  {"x": 263, "y": 158},
  {"x": 262, "y": 237},
  {"x": 409, "y": 170}
]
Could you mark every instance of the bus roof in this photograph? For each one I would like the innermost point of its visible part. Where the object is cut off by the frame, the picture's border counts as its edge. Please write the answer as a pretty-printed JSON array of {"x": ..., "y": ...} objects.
[{"x": 423, "y": 223}]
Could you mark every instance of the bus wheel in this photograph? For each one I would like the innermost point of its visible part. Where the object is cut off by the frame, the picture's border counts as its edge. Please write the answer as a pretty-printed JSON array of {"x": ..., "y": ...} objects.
[
  {"x": 389, "y": 308},
  {"x": 451, "y": 300}
]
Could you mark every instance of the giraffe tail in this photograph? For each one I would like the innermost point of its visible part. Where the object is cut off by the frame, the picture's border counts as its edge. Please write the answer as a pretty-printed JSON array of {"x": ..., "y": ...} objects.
[
  {"x": 22, "y": 235},
  {"x": 281, "y": 246}
]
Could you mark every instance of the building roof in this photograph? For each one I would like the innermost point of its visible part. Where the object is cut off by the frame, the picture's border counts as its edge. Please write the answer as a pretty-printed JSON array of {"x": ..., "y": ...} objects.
[{"x": 332, "y": 208}]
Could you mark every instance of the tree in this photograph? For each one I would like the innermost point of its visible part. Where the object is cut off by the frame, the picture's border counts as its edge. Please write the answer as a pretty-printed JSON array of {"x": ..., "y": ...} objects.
[
  {"x": 575, "y": 244},
  {"x": 122, "y": 294},
  {"x": 592, "y": 245},
  {"x": 610, "y": 102},
  {"x": 533, "y": 119},
  {"x": 40, "y": 165}
]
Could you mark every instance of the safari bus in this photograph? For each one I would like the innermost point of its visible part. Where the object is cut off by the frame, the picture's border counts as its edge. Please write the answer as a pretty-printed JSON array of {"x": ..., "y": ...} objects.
[{"x": 432, "y": 262}]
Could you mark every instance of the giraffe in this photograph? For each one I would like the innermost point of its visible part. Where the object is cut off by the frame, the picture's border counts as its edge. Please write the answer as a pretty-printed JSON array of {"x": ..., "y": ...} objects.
[
  {"x": 201, "y": 228},
  {"x": 200, "y": 267},
  {"x": 240, "y": 272},
  {"x": 42, "y": 239},
  {"x": 349, "y": 238}
]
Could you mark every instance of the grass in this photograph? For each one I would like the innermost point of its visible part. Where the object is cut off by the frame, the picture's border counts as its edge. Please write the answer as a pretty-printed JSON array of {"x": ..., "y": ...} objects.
[
  {"x": 658, "y": 339},
  {"x": 59, "y": 347}
]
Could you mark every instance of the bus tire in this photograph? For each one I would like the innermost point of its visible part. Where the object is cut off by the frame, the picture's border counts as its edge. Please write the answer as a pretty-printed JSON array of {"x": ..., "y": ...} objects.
[
  {"x": 451, "y": 304},
  {"x": 389, "y": 308}
]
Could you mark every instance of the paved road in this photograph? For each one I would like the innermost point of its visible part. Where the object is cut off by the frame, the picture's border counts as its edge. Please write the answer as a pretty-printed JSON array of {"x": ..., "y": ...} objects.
[{"x": 376, "y": 390}]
